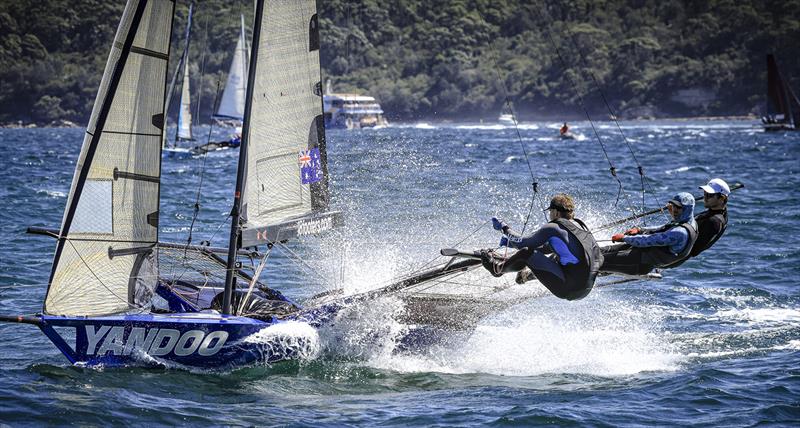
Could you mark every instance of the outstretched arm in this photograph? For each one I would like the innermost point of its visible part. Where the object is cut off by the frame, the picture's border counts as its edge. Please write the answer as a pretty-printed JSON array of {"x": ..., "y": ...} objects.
[{"x": 669, "y": 238}]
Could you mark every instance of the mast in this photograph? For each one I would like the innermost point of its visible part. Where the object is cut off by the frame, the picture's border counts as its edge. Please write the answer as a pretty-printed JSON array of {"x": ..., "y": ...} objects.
[{"x": 233, "y": 243}]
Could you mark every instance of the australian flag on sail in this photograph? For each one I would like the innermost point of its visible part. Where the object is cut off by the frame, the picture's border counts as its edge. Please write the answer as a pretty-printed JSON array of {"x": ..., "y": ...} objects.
[{"x": 310, "y": 166}]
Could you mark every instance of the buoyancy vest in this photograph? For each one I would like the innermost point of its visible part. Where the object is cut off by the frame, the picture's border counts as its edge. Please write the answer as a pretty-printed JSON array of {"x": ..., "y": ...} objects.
[
  {"x": 591, "y": 258},
  {"x": 697, "y": 248},
  {"x": 664, "y": 258}
]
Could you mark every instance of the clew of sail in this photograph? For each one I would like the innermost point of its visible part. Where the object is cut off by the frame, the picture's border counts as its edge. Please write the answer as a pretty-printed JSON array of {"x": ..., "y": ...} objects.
[
  {"x": 286, "y": 182},
  {"x": 231, "y": 105},
  {"x": 110, "y": 222}
]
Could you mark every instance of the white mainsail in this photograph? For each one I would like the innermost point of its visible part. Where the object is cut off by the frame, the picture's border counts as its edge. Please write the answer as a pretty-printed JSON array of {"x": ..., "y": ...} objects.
[
  {"x": 286, "y": 171},
  {"x": 231, "y": 104},
  {"x": 111, "y": 218},
  {"x": 185, "y": 112}
]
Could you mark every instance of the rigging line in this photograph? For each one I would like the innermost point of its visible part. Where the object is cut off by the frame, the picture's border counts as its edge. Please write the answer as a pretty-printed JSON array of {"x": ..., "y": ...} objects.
[
  {"x": 614, "y": 118},
  {"x": 534, "y": 180},
  {"x": 97, "y": 278},
  {"x": 185, "y": 265},
  {"x": 196, "y": 208},
  {"x": 202, "y": 74},
  {"x": 417, "y": 289},
  {"x": 621, "y": 189},
  {"x": 299, "y": 261},
  {"x": 428, "y": 263},
  {"x": 254, "y": 278}
]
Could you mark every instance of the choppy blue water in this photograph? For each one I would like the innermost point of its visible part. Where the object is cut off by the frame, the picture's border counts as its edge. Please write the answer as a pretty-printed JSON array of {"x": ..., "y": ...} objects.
[{"x": 716, "y": 342}]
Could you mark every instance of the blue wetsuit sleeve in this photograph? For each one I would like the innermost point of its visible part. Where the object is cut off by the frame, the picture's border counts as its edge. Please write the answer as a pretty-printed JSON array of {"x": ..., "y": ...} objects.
[
  {"x": 649, "y": 230},
  {"x": 674, "y": 238},
  {"x": 532, "y": 241}
]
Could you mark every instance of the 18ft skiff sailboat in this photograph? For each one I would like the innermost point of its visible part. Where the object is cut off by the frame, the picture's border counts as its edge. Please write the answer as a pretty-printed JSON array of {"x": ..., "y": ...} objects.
[
  {"x": 110, "y": 271},
  {"x": 118, "y": 296}
]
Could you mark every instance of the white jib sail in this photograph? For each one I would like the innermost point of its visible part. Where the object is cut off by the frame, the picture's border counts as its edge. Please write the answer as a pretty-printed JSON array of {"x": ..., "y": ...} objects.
[
  {"x": 285, "y": 144},
  {"x": 185, "y": 113},
  {"x": 231, "y": 104},
  {"x": 111, "y": 218}
]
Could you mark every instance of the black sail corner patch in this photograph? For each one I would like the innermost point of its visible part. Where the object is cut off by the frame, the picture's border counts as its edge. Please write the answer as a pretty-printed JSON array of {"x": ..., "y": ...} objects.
[
  {"x": 158, "y": 121},
  {"x": 313, "y": 34},
  {"x": 152, "y": 219}
]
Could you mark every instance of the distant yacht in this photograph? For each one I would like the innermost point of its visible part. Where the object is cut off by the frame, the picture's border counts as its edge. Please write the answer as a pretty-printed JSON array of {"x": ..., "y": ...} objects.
[
  {"x": 783, "y": 108},
  {"x": 506, "y": 119},
  {"x": 231, "y": 106},
  {"x": 351, "y": 111}
]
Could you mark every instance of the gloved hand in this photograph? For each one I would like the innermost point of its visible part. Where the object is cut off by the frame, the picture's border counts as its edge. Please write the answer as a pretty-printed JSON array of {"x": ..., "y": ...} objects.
[
  {"x": 504, "y": 241},
  {"x": 617, "y": 238},
  {"x": 633, "y": 231},
  {"x": 498, "y": 224}
]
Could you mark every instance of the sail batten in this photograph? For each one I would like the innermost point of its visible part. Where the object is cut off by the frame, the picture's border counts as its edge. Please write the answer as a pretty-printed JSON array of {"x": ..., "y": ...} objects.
[{"x": 107, "y": 212}]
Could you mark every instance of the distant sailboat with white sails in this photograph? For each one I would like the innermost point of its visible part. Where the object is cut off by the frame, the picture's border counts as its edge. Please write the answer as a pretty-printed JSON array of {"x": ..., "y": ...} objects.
[
  {"x": 231, "y": 105},
  {"x": 184, "y": 123}
]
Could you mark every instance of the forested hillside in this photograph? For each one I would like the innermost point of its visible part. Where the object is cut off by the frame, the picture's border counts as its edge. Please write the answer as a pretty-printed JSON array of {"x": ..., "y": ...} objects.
[{"x": 442, "y": 59}]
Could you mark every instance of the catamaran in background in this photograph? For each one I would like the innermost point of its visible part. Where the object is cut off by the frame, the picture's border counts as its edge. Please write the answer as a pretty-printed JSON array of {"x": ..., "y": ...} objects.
[{"x": 783, "y": 108}]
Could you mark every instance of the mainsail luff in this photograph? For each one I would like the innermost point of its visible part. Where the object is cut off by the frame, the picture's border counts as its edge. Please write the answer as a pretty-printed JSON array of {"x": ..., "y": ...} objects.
[
  {"x": 111, "y": 219},
  {"x": 231, "y": 105},
  {"x": 233, "y": 242}
]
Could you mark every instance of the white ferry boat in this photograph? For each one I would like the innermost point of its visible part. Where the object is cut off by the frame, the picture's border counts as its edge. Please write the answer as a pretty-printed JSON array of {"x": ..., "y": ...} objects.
[{"x": 351, "y": 111}]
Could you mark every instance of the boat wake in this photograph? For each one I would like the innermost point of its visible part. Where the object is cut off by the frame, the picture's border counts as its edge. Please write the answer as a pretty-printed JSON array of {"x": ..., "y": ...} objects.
[{"x": 598, "y": 336}]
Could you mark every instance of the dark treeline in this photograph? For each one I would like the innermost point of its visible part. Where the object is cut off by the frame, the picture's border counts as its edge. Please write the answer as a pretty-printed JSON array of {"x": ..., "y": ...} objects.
[{"x": 455, "y": 59}]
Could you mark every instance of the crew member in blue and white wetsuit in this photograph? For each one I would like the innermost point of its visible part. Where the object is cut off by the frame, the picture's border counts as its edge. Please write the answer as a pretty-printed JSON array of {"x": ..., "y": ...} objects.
[
  {"x": 647, "y": 248},
  {"x": 562, "y": 254}
]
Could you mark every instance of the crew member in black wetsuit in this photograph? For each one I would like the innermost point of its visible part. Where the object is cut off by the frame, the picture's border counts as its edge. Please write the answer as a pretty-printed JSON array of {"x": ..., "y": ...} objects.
[
  {"x": 562, "y": 254},
  {"x": 711, "y": 223}
]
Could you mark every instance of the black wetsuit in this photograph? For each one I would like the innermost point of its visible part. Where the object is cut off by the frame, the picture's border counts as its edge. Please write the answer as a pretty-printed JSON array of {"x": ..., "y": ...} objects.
[
  {"x": 711, "y": 225},
  {"x": 557, "y": 256}
]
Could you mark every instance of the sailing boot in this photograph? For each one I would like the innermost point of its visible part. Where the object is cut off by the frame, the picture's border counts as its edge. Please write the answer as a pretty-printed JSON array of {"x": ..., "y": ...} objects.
[{"x": 491, "y": 264}]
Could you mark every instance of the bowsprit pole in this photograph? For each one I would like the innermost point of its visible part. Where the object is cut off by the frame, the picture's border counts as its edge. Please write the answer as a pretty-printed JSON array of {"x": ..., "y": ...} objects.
[{"x": 22, "y": 319}]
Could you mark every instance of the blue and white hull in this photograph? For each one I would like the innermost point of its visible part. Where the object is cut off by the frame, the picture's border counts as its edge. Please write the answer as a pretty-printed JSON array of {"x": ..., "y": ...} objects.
[{"x": 198, "y": 340}]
